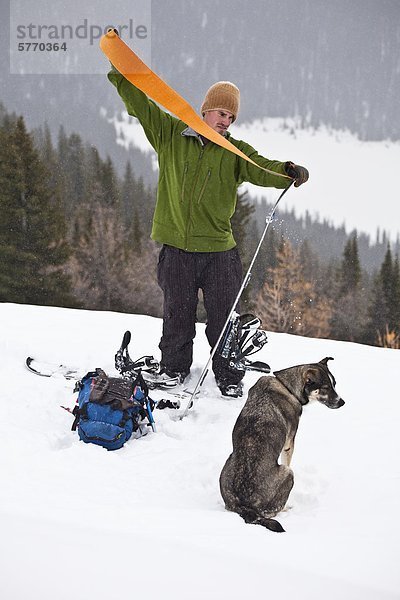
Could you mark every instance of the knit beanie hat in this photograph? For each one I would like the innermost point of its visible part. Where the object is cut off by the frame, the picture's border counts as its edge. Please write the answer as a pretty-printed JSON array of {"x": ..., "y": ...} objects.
[{"x": 223, "y": 95}]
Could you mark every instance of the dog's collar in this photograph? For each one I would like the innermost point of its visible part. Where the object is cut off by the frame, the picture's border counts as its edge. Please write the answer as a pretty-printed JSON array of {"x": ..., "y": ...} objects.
[{"x": 302, "y": 400}]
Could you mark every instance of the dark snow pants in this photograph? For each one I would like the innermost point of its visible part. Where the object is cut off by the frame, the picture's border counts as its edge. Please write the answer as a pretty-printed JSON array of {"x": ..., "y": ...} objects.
[{"x": 180, "y": 275}]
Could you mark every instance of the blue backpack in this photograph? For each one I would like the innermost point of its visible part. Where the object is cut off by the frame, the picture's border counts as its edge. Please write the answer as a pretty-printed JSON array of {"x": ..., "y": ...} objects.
[{"x": 110, "y": 410}]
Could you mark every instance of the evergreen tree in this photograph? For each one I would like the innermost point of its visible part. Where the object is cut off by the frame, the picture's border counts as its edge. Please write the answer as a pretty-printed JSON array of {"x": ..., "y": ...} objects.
[
  {"x": 76, "y": 171},
  {"x": 136, "y": 235},
  {"x": 390, "y": 278},
  {"x": 145, "y": 203},
  {"x": 7, "y": 120},
  {"x": 387, "y": 278},
  {"x": 49, "y": 157},
  {"x": 386, "y": 285},
  {"x": 128, "y": 193},
  {"x": 309, "y": 261},
  {"x": 377, "y": 312},
  {"x": 384, "y": 310},
  {"x": 349, "y": 296},
  {"x": 109, "y": 184},
  {"x": 267, "y": 256},
  {"x": 33, "y": 249},
  {"x": 93, "y": 177},
  {"x": 350, "y": 271},
  {"x": 44, "y": 144},
  {"x": 133, "y": 198},
  {"x": 70, "y": 175},
  {"x": 395, "y": 308}
]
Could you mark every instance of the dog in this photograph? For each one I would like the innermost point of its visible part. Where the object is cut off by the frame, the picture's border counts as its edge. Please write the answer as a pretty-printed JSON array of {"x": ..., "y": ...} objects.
[{"x": 252, "y": 482}]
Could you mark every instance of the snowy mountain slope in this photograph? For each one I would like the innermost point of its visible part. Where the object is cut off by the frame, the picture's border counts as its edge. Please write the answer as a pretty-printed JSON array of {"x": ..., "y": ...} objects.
[{"x": 78, "y": 521}]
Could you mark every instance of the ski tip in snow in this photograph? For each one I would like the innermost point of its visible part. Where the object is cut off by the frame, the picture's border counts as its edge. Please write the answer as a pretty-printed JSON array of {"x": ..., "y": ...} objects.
[{"x": 46, "y": 369}]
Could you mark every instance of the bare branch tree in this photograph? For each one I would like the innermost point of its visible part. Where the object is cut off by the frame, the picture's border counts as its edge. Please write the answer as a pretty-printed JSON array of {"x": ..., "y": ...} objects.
[{"x": 288, "y": 301}]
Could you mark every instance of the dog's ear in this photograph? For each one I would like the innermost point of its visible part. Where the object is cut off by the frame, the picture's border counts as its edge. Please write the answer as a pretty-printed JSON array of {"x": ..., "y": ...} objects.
[
  {"x": 310, "y": 376},
  {"x": 324, "y": 361}
]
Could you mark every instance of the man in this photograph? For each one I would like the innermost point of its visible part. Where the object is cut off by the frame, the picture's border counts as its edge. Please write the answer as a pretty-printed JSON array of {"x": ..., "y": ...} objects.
[{"x": 196, "y": 198}]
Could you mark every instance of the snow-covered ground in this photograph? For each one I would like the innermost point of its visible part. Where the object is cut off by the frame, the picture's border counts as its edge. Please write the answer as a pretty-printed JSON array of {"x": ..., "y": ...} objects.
[
  {"x": 148, "y": 521},
  {"x": 351, "y": 182}
]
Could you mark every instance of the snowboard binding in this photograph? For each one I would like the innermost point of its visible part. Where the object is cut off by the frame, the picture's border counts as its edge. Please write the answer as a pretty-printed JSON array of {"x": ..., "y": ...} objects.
[
  {"x": 148, "y": 366},
  {"x": 128, "y": 367},
  {"x": 242, "y": 338}
]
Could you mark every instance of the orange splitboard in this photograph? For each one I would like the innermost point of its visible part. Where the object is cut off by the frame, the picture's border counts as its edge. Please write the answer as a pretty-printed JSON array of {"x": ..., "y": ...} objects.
[{"x": 138, "y": 73}]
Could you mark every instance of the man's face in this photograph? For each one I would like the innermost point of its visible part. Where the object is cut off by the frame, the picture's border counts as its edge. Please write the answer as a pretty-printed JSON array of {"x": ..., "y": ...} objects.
[{"x": 219, "y": 120}]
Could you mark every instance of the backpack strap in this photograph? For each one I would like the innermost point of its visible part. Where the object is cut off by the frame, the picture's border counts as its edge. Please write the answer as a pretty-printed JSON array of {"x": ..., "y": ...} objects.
[
  {"x": 141, "y": 393},
  {"x": 77, "y": 414},
  {"x": 78, "y": 411}
]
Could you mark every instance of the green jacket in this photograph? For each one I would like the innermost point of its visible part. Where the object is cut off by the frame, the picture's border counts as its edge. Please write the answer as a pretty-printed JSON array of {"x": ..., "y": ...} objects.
[{"x": 197, "y": 185}]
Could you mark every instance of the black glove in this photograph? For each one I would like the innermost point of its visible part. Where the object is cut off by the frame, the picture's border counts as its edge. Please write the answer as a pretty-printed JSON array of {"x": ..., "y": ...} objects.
[{"x": 296, "y": 172}]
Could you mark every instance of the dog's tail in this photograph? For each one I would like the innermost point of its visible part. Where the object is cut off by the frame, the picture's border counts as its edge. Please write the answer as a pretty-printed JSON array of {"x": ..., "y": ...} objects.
[{"x": 253, "y": 518}]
